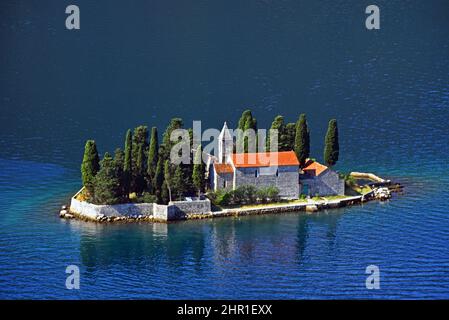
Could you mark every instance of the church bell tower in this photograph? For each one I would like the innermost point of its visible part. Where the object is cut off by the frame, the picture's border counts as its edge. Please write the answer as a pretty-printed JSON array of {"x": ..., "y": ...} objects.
[{"x": 225, "y": 144}]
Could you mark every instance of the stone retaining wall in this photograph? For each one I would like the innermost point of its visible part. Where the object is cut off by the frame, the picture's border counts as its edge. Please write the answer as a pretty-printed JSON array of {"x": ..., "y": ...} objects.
[
  {"x": 92, "y": 211},
  {"x": 183, "y": 208},
  {"x": 176, "y": 210}
]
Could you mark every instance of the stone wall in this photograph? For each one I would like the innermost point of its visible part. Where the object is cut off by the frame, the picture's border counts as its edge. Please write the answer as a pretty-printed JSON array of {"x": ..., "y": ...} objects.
[
  {"x": 117, "y": 210},
  {"x": 326, "y": 184},
  {"x": 287, "y": 180},
  {"x": 223, "y": 179},
  {"x": 183, "y": 208},
  {"x": 174, "y": 211}
]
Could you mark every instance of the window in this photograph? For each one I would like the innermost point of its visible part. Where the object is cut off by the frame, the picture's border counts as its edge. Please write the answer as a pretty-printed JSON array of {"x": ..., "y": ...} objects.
[
  {"x": 277, "y": 172},
  {"x": 256, "y": 173}
]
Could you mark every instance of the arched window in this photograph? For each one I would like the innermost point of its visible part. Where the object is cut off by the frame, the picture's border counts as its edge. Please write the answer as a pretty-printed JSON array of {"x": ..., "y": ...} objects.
[{"x": 277, "y": 172}]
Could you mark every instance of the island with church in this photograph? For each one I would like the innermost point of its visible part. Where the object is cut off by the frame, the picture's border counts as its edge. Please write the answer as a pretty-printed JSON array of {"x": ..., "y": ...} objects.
[{"x": 243, "y": 171}]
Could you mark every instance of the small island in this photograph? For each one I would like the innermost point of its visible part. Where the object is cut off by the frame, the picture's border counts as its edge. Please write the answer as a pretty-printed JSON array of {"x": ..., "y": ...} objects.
[{"x": 249, "y": 171}]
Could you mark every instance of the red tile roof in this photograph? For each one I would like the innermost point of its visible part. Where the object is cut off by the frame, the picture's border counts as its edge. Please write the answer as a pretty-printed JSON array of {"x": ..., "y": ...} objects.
[
  {"x": 314, "y": 168},
  {"x": 223, "y": 168},
  {"x": 264, "y": 159}
]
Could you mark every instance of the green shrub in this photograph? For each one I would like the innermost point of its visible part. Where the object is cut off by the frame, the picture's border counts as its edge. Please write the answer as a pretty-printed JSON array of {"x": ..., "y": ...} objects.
[
  {"x": 247, "y": 194},
  {"x": 147, "y": 197},
  {"x": 273, "y": 194}
]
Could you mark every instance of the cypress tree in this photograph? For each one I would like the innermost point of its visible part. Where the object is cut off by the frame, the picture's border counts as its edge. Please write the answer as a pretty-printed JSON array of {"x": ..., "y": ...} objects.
[
  {"x": 119, "y": 160},
  {"x": 242, "y": 121},
  {"x": 187, "y": 170},
  {"x": 198, "y": 171},
  {"x": 250, "y": 142},
  {"x": 178, "y": 183},
  {"x": 152, "y": 159},
  {"x": 331, "y": 145},
  {"x": 107, "y": 182},
  {"x": 290, "y": 133},
  {"x": 138, "y": 156},
  {"x": 277, "y": 124},
  {"x": 175, "y": 123},
  {"x": 163, "y": 198},
  {"x": 140, "y": 170},
  {"x": 127, "y": 165},
  {"x": 245, "y": 122},
  {"x": 302, "y": 140},
  {"x": 159, "y": 179},
  {"x": 167, "y": 177},
  {"x": 90, "y": 165}
]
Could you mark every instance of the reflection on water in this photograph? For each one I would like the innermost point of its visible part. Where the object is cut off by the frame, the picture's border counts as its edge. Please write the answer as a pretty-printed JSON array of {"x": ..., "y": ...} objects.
[{"x": 280, "y": 239}]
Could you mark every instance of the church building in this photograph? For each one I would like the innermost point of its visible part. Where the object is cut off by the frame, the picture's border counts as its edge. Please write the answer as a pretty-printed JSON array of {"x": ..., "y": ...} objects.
[{"x": 231, "y": 170}]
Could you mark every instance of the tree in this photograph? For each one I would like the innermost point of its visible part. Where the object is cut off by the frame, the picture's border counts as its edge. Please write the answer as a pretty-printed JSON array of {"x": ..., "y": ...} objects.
[
  {"x": 127, "y": 165},
  {"x": 331, "y": 145},
  {"x": 139, "y": 179},
  {"x": 302, "y": 140},
  {"x": 107, "y": 182},
  {"x": 178, "y": 183},
  {"x": 152, "y": 159},
  {"x": 242, "y": 121},
  {"x": 250, "y": 141},
  {"x": 167, "y": 176},
  {"x": 290, "y": 133},
  {"x": 119, "y": 159},
  {"x": 187, "y": 169},
  {"x": 159, "y": 179},
  {"x": 198, "y": 171},
  {"x": 139, "y": 147},
  {"x": 164, "y": 198},
  {"x": 277, "y": 124},
  {"x": 246, "y": 121},
  {"x": 175, "y": 123},
  {"x": 90, "y": 165}
]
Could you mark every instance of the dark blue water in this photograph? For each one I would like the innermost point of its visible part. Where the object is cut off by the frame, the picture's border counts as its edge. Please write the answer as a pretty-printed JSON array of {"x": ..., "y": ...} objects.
[{"x": 149, "y": 61}]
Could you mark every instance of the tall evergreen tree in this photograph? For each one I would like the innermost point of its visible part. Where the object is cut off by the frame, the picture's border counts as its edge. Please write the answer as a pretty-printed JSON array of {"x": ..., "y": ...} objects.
[
  {"x": 198, "y": 171},
  {"x": 107, "y": 182},
  {"x": 302, "y": 140},
  {"x": 246, "y": 121},
  {"x": 119, "y": 160},
  {"x": 167, "y": 177},
  {"x": 188, "y": 187},
  {"x": 127, "y": 165},
  {"x": 178, "y": 183},
  {"x": 90, "y": 165},
  {"x": 152, "y": 159},
  {"x": 250, "y": 142},
  {"x": 164, "y": 197},
  {"x": 331, "y": 145},
  {"x": 159, "y": 179},
  {"x": 175, "y": 123},
  {"x": 290, "y": 133},
  {"x": 277, "y": 124},
  {"x": 242, "y": 121},
  {"x": 139, "y": 151},
  {"x": 139, "y": 179}
]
